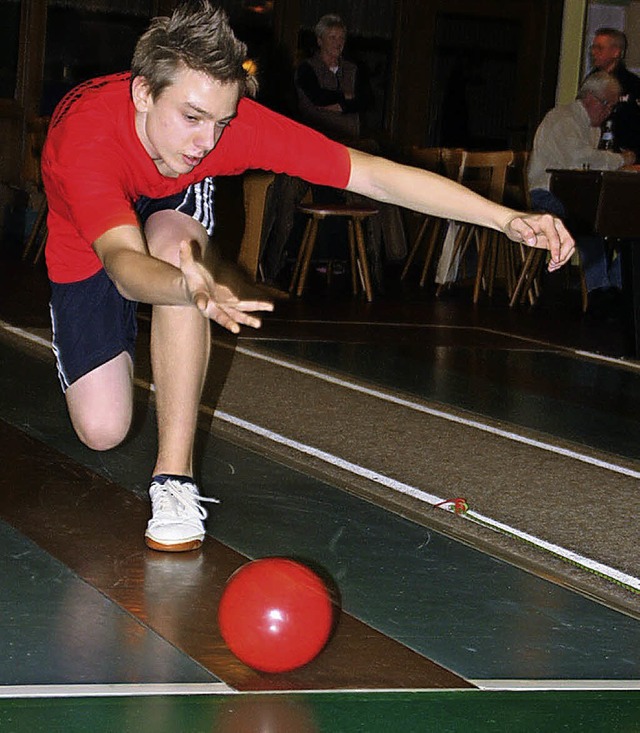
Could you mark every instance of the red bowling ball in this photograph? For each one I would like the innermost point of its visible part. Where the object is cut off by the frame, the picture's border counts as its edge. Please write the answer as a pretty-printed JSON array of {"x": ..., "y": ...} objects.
[{"x": 275, "y": 614}]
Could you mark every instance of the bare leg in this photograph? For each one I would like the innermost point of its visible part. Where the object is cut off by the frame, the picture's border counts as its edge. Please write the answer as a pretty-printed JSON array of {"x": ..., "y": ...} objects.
[
  {"x": 180, "y": 346},
  {"x": 100, "y": 403}
]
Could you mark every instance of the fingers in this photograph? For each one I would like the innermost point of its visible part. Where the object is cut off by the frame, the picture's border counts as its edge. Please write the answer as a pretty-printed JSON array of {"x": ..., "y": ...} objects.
[
  {"x": 200, "y": 300},
  {"x": 232, "y": 314},
  {"x": 253, "y": 305},
  {"x": 220, "y": 302},
  {"x": 532, "y": 228},
  {"x": 561, "y": 247},
  {"x": 231, "y": 318},
  {"x": 244, "y": 319},
  {"x": 545, "y": 232}
]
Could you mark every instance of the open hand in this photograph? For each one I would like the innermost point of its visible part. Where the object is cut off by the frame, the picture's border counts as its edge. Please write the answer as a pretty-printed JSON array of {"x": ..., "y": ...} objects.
[{"x": 216, "y": 300}]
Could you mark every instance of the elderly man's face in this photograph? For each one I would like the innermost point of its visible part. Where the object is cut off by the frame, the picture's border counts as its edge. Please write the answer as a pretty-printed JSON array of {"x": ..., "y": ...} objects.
[{"x": 599, "y": 107}]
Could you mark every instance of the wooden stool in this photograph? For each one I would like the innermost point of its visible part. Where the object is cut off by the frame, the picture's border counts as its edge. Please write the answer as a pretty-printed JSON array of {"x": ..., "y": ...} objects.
[{"x": 357, "y": 251}]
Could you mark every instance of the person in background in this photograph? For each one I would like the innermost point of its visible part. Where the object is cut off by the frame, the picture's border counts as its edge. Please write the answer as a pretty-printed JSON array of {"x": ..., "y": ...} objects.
[
  {"x": 608, "y": 50},
  {"x": 568, "y": 137},
  {"x": 331, "y": 96}
]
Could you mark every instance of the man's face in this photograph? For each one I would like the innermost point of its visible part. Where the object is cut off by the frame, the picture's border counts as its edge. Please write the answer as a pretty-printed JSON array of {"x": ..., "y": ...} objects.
[
  {"x": 185, "y": 121},
  {"x": 604, "y": 54},
  {"x": 599, "y": 107}
]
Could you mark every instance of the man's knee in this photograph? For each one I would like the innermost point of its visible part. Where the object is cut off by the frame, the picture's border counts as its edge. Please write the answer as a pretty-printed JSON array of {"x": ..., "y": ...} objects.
[
  {"x": 165, "y": 230},
  {"x": 100, "y": 432},
  {"x": 100, "y": 403}
]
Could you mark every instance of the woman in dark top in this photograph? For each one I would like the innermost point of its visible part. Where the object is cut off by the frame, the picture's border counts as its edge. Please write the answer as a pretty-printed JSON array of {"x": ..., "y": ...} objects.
[{"x": 329, "y": 94}]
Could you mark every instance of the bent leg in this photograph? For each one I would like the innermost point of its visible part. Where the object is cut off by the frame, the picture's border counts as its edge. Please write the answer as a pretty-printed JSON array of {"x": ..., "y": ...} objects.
[
  {"x": 100, "y": 403},
  {"x": 94, "y": 332}
]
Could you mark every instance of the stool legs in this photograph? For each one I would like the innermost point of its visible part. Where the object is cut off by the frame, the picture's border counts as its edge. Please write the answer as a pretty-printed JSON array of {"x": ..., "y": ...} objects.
[
  {"x": 484, "y": 254},
  {"x": 432, "y": 225},
  {"x": 436, "y": 226},
  {"x": 362, "y": 258},
  {"x": 465, "y": 234},
  {"x": 304, "y": 257},
  {"x": 353, "y": 259},
  {"x": 531, "y": 264},
  {"x": 414, "y": 247},
  {"x": 357, "y": 257}
]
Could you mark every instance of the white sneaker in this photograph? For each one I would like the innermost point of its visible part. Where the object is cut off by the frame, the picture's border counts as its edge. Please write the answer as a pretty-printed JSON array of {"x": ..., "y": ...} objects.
[{"x": 177, "y": 518}]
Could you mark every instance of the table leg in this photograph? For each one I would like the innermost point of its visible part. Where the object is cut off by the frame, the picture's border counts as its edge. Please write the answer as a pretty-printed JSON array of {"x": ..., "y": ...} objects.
[
  {"x": 634, "y": 252},
  {"x": 630, "y": 253}
]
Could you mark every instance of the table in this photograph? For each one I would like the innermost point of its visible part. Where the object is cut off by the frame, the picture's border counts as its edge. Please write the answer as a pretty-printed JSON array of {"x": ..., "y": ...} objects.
[{"x": 607, "y": 203}]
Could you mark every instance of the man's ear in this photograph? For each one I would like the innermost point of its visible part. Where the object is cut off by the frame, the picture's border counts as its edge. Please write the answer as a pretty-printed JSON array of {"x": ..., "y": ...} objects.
[{"x": 140, "y": 94}]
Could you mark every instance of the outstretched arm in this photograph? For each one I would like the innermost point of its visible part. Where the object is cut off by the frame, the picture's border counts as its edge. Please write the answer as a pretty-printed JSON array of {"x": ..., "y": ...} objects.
[
  {"x": 139, "y": 276},
  {"x": 420, "y": 190}
]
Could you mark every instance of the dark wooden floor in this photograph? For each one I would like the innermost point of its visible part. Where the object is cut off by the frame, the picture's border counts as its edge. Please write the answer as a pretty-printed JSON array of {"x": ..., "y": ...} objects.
[{"x": 556, "y": 319}]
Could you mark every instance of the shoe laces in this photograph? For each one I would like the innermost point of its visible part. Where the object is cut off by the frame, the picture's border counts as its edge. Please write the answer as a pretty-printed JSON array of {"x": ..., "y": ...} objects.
[{"x": 178, "y": 499}]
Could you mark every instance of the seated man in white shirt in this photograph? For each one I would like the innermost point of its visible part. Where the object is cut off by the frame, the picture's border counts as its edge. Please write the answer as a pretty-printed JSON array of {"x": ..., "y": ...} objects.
[{"x": 568, "y": 137}]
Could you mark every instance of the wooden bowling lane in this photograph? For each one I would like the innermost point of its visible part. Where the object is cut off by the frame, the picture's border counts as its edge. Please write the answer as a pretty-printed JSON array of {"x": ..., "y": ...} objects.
[{"x": 95, "y": 528}]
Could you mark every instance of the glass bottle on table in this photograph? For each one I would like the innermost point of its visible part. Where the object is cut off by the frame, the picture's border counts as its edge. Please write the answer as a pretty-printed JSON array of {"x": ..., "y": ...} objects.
[{"x": 606, "y": 138}]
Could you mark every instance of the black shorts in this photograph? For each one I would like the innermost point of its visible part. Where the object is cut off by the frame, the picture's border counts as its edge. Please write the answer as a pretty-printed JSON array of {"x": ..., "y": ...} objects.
[
  {"x": 92, "y": 323},
  {"x": 196, "y": 201}
]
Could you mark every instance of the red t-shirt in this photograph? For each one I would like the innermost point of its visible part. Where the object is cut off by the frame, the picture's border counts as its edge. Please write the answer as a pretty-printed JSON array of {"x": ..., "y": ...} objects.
[{"x": 94, "y": 166}]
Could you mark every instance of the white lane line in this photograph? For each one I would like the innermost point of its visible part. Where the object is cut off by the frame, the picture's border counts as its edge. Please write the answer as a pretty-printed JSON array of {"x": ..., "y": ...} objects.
[
  {"x": 147, "y": 690},
  {"x": 417, "y": 407},
  {"x": 551, "y": 685},
  {"x": 574, "y": 558},
  {"x": 114, "y": 690},
  {"x": 409, "y": 404},
  {"x": 25, "y": 334},
  {"x": 593, "y": 566}
]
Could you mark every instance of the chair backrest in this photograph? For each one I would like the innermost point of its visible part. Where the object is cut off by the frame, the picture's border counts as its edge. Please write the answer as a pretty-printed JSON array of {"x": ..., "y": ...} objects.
[
  {"x": 486, "y": 172},
  {"x": 427, "y": 158},
  {"x": 453, "y": 162},
  {"x": 445, "y": 161},
  {"x": 255, "y": 186}
]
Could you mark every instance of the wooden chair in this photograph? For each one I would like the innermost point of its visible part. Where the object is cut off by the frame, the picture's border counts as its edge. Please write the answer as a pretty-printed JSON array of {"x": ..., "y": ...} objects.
[
  {"x": 485, "y": 173},
  {"x": 356, "y": 215},
  {"x": 444, "y": 161},
  {"x": 255, "y": 187}
]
